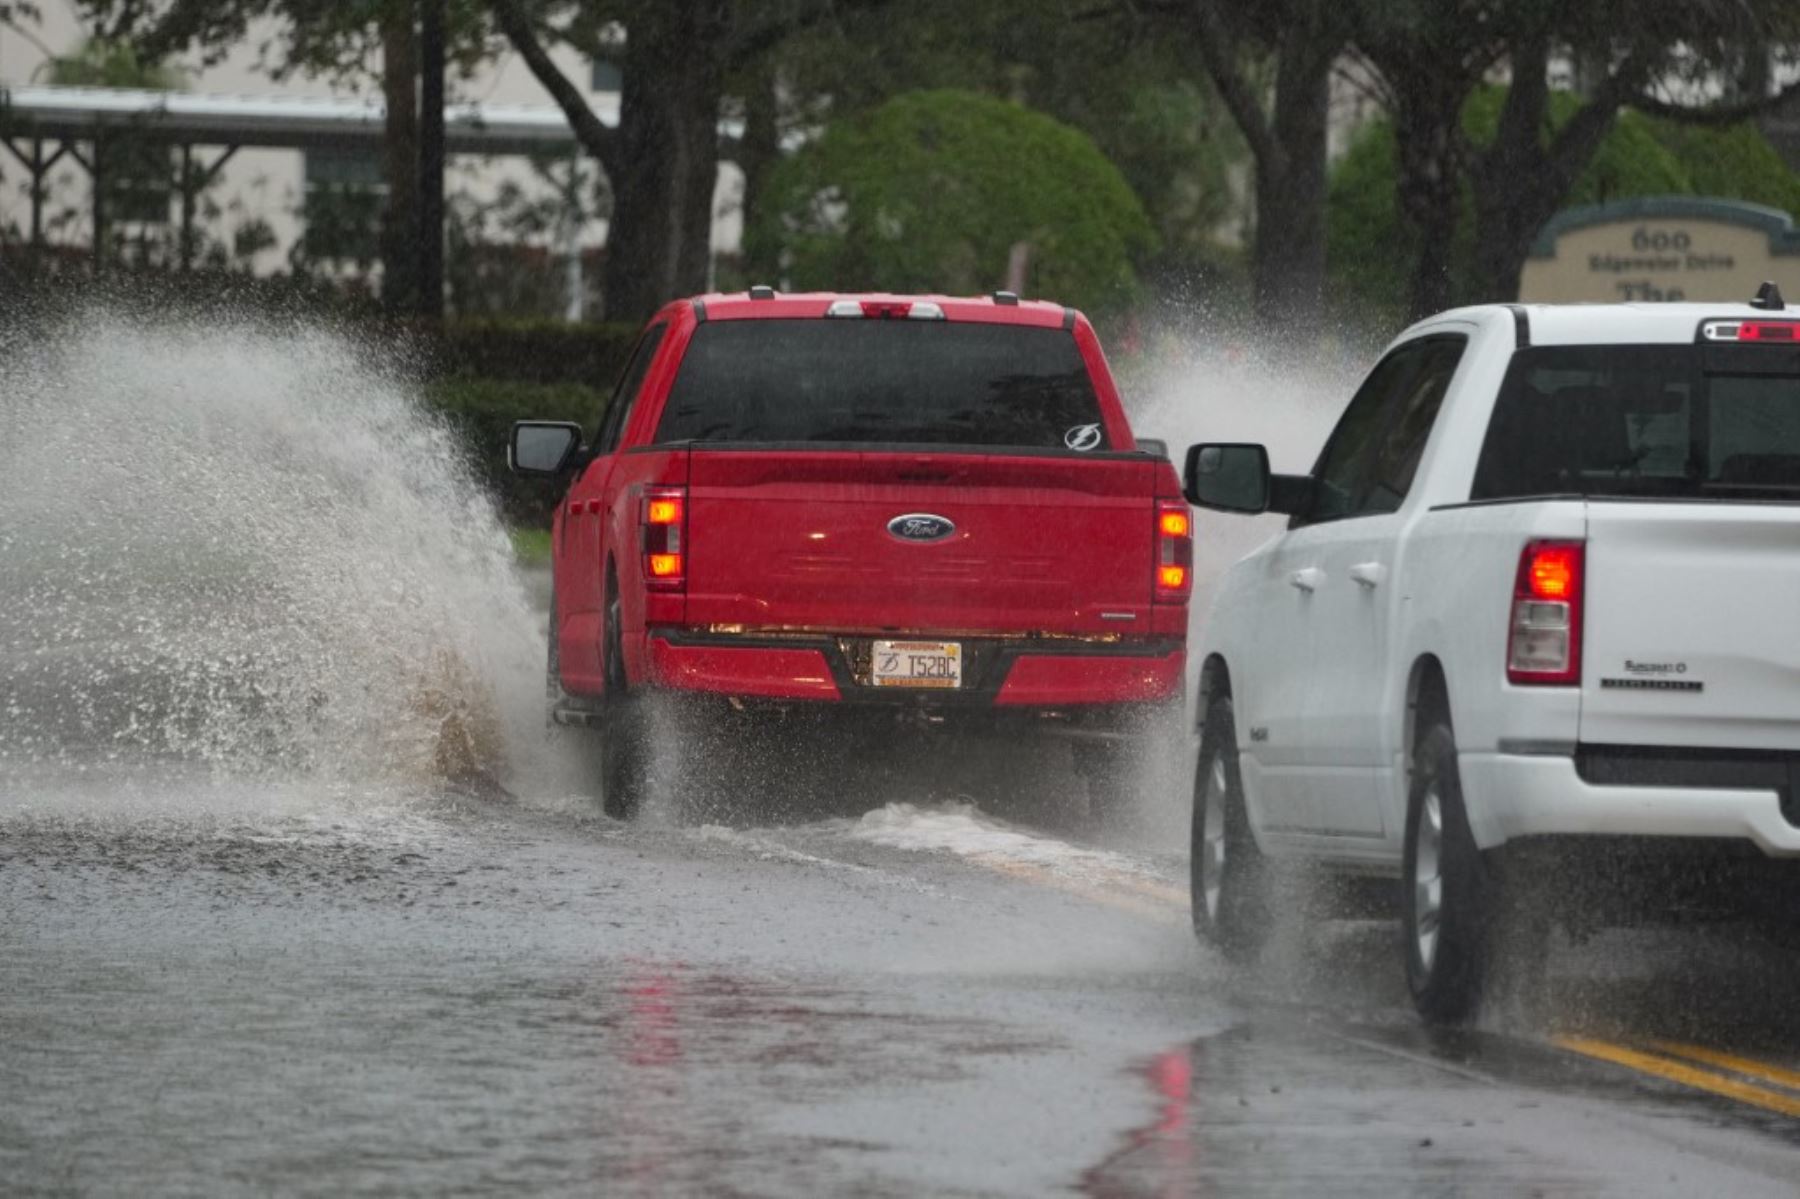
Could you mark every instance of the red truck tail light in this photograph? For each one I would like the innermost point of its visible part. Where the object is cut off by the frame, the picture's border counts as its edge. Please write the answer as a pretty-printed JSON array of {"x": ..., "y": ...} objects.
[
  {"x": 1784, "y": 332},
  {"x": 916, "y": 310},
  {"x": 1174, "y": 551},
  {"x": 1544, "y": 641},
  {"x": 663, "y": 513}
]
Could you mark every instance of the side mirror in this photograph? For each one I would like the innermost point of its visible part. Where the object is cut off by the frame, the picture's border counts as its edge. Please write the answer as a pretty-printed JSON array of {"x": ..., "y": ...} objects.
[
  {"x": 1156, "y": 447},
  {"x": 542, "y": 447},
  {"x": 1228, "y": 478}
]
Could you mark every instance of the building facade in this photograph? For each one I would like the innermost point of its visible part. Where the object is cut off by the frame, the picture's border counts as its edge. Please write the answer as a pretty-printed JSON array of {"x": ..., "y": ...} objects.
[{"x": 270, "y": 206}]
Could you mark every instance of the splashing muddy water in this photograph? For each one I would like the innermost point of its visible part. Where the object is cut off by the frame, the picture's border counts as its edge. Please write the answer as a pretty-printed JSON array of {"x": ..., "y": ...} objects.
[{"x": 248, "y": 547}]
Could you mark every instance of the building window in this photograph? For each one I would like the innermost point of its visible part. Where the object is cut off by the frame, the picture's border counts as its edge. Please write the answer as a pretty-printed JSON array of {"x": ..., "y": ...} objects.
[
  {"x": 346, "y": 191},
  {"x": 140, "y": 179},
  {"x": 345, "y": 168}
]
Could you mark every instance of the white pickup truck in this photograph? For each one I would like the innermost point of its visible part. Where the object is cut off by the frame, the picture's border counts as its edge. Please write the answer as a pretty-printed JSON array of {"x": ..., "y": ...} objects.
[{"x": 1532, "y": 633}]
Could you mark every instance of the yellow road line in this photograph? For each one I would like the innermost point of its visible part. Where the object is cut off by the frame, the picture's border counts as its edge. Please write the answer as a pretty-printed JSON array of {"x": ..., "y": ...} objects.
[
  {"x": 1674, "y": 1071},
  {"x": 1165, "y": 903},
  {"x": 1730, "y": 1061}
]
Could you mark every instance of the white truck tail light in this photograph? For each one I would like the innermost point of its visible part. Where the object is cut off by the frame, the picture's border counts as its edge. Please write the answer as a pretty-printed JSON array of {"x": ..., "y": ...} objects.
[
  {"x": 1174, "y": 552},
  {"x": 1544, "y": 639},
  {"x": 662, "y": 515}
]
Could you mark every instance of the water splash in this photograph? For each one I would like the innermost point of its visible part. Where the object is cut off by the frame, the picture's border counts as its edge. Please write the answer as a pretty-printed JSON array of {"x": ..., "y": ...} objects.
[
  {"x": 248, "y": 546},
  {"x": 1224, "y": 387},
  {"x": 1205, "y": 382}
]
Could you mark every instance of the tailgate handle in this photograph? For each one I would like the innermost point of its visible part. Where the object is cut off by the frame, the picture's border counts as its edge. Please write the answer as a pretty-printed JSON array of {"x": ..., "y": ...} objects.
[
  {"x": 1308, "y": 580},
  {"x": 1369, "y": 574}
]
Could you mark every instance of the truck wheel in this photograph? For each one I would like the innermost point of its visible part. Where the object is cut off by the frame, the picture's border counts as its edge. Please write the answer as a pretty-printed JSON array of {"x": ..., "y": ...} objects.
[
  {"x": 624, "y": 748},
  {"x": 1449, "y": 896},
  {"x": 1229, "y": 876}
]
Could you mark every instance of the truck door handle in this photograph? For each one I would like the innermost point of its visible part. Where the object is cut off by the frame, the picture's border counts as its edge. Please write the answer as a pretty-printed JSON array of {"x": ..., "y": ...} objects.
[
  {"x": 1369, "y": 574},
  {"x": 1308, "y": 580}
]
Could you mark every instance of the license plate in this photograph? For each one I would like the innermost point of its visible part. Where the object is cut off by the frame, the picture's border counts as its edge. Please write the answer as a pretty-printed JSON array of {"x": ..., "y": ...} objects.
[{"x": 925, "y": 664}]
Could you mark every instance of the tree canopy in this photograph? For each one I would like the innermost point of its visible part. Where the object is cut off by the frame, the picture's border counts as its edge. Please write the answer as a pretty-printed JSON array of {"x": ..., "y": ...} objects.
[
  {"x": 1441, "y": 201},
  {"x": 932, "y": 191},
  {"x": 1641, "y": 156},
  {"x": 100, "y": 63}
]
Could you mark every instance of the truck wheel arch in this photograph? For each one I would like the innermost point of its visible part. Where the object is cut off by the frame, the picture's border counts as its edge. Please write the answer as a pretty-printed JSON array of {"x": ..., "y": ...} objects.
[
  {"x": 1427, "y": 696},
  {"x": 612, "y": 643},
  {"x": 1215, "y": 681}
]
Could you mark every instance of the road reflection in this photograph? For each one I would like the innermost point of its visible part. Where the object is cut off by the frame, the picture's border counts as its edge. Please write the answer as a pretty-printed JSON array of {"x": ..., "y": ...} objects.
[
  {"x": 1646, "y": 1038},
  {"x": 650, "y": 1114}
]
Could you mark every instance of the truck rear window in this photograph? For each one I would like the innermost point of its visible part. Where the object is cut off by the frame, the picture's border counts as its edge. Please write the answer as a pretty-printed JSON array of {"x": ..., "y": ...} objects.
[
  {"x": 1659, "y": 421},
  {"x": 883, "y": 381}
]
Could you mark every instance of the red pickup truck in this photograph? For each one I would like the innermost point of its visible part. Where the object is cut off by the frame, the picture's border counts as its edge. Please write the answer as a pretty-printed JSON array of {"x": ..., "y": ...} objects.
[{"x": 920, "y": 507}]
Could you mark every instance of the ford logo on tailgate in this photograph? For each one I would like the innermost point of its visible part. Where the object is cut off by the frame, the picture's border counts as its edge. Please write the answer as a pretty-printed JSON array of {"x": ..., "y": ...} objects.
[{"x": 920, "y": 526}]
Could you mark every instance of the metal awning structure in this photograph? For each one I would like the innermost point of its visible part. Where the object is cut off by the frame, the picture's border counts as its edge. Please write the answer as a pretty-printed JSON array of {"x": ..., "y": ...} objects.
[
  {"x": 42, "y": 125},
  {"x": 66, "y": 114}
]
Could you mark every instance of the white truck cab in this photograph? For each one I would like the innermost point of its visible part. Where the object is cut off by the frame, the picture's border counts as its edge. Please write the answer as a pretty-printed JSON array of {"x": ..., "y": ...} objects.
[{"x": 1538, "y": 601}]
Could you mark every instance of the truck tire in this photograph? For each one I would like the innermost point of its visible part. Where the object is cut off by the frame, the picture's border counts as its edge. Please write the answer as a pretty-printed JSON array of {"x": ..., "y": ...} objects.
[
  {"x": 624, "y": 778},
  {"x": 1448, "y": 901},
  {"x": 624, "y": 732},
  {"x": 1229, "y": 877}
]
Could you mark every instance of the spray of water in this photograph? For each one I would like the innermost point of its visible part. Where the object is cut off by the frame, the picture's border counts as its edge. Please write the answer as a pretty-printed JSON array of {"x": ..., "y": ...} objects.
[
  {"x": 247, "y": 547},
  {"x": 1221, "y": 388},
  {"x": 1215, "y": 385}
]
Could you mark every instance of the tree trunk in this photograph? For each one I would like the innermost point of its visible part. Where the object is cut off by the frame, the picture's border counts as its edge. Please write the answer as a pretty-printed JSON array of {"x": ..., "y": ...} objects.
[
  {"x": 1289, "y": 254},
  {"x": 431, "y": 159},
  {"x": 659, "y": 242},
  {"x": 1431, "y": 148},
  {"x": 400, "y": 162},
  {"x": 1525, "y": 175},
  {"x": 1505, "y": 230},
  {"x": 758, "y": 152},
  {"x": 1514, "y": 194}
]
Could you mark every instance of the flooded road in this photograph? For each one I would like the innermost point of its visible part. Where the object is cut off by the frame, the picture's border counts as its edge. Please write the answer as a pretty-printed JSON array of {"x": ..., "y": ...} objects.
[
  {"x": 268, "y": 923},
  {"x": 208, "y": 987}
]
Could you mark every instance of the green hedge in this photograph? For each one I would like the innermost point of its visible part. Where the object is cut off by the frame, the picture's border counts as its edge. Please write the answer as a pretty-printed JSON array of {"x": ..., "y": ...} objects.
[
  {"x": 529, "y": 350},
  {"x": 486, "y": 374},
  {"x": 932, "y": 190},
  {"x": 483, "y": 411}
]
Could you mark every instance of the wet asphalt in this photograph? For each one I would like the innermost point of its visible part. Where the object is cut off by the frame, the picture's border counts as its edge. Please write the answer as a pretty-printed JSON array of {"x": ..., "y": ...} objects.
[
  {"x": 936, "y": 972},
  {"x": 213, "y": 988}
]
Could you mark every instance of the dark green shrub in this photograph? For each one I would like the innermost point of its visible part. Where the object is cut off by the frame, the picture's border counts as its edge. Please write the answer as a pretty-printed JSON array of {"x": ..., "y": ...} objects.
[
  {"x": 1734, "y": 163},
  {"x": 483, "y": 410},
  {"x": 486, "y": 374},
  {"x": 530, "y": 350},
  {"x": 931, "y": 191},
  {"x": 1370, "y": 245}
]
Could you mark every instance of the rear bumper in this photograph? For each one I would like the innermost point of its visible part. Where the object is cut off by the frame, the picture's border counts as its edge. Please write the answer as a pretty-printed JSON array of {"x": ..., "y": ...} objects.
[
  {"x": 1023, "y": 673},
  {"x": 1515, "y": 796}
]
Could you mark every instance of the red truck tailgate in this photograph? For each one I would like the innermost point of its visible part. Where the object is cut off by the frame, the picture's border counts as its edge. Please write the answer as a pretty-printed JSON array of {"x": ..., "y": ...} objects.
[{"x": 1045, "y": 543}]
